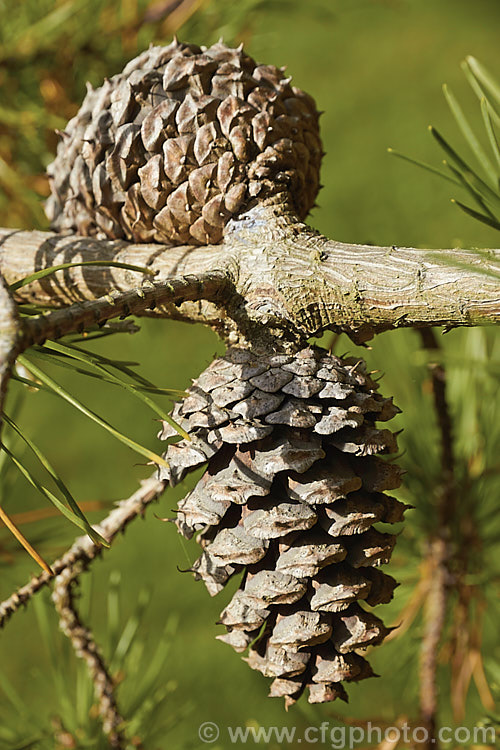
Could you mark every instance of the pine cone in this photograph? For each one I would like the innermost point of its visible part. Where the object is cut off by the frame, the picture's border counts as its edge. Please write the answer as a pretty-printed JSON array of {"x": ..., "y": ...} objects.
[
  {"x": 170, "y": 149},
  {"x": 291, "y": 492}
]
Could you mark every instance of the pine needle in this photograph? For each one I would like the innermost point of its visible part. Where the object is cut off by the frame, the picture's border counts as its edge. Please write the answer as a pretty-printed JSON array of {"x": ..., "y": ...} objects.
[
  {"x": 37, "y": 275},
  {"x": 60, "y": 391},
  {"x": 476, "y": 215},
  {"x": 73, "y": 513},
  {"x": 94, "y": 362},
  {"x": 463, "y": 167},
  {"x": 484, "y": 77},
  {"x": 470, "y": 136},
  {"x": 487, "y": 114},
  {"x": 466, "y": 184},
  {"x": 24, "y": 542},
  {"x": 423, "y": 165}
]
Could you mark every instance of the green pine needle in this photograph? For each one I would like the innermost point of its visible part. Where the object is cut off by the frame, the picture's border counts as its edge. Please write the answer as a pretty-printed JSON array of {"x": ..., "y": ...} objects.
[
  {"x": 469, "y": 187},
  {"x": 487, "y": 114},
  {"x": 471, "y": 175},
  {"x": 470, "y": 136},
  {"x": 37, "y": 275},
  {"x": 95, "y": 363},
  {"x": 476, "y": 215},
  {"x": 60, "y": 391},
  {"x": 484, "y": 77},
  {"x": 73, "y": 517},
  {"x": 73, "y": 514},
  {"x": 423, "y": 165},
  {"x": 487, "y": 196},
  {"x": 123, "y": 367},
  {"x": 479, "y": 91}
]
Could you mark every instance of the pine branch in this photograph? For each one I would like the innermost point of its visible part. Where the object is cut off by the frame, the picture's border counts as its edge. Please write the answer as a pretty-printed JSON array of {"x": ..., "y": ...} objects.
[
  {"x": 10, "y": 335},
  {"x": 438, "y": 374},
  {"x": 84, "y": 550},
  {"x": 84, "y": 315},
  {"x": 86, "y": 648},
  {"x": 24, "y": 253},
  {"x": 10, "y": 346},
  {"x": 440, "y": 555},
  {"x": 281, "y": 276},
  {"x": 434, "y": 619}
]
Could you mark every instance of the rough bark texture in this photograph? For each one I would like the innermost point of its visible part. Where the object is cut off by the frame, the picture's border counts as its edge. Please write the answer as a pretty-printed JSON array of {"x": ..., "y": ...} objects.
[
  {"x": 83, "y": 315},
  {"x": 85, "y": 647},
  {"x": 280, "y": 276},
  {"x": 84, "y": 550},
  {"x": 9, "y": 338}
]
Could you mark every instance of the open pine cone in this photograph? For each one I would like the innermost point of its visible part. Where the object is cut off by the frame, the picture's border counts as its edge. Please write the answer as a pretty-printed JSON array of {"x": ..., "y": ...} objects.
[
  {"x": 184, "y": 139},
  {"x": 290, "y": 495}
]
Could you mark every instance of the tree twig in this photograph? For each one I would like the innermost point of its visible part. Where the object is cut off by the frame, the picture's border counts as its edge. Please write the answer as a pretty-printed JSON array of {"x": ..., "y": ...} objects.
[
  {"x": 10, "y": 346},
  {"x": 84, "y": 315},
  {"x": 68, "y": 569},
  {"x": 86, "y": 648},
  {"x": 10, "y": 337},
  {"x": 84, "y": 550},
  {"x": 440, "y": 553},
  {"x": 438, "y": 374},
  {"x": 434, "y": 620}
]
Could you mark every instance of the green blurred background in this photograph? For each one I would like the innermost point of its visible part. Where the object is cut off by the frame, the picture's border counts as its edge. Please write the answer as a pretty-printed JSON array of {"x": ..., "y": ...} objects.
[{"x": 375, "y": 68}]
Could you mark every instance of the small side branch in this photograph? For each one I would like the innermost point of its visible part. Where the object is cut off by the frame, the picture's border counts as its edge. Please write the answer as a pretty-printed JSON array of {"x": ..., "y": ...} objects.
[
  {"x": 24, "y": 253},
  {"x": 84, "y": 315},
  {"x": 86, "y": 648},
  {"x": 434, "y": 621},
  {"x": 440, "y": 553},
  {"x": 84, "y": 550},
  {"x": 10, "y": 336},
  {"x": 68, "y": 569}
]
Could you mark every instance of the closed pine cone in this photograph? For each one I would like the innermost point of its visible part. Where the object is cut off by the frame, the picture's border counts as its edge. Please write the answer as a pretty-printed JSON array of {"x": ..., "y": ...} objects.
[
  {"x": 290, "y": 495},
  {"x": 179, "y": 142}
]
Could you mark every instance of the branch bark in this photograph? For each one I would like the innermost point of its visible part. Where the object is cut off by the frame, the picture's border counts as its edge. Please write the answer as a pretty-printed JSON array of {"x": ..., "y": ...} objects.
[
  {"x": 84, "y": 550},
  {"x": 440, "y": 554},
  {"x": 281, "y": 275},
  {"x": 10, "y": 337},
  {"x": 149, "y": 296},
  {"x": 86, "y": 648}
]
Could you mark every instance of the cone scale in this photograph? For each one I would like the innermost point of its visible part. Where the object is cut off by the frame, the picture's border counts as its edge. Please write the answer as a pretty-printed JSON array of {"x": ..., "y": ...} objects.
[
  {"x": 292, "y": 489},
  {"x": 182, "y": 140}
]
